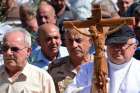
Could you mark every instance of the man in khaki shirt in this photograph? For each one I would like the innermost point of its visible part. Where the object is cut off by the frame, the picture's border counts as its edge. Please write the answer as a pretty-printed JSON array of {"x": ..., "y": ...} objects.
[
  {"x": 16, "y": 74},
  {"x": 64, "y": 69}
]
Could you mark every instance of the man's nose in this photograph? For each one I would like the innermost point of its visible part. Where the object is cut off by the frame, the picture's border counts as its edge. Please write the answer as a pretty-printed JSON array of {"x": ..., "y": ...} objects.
[
  {"x": 75, "y": 44},
  {"x": 53, "y": 40},
  {"x": 8, "y": 51},
  {"x": 44, "y": 20}
]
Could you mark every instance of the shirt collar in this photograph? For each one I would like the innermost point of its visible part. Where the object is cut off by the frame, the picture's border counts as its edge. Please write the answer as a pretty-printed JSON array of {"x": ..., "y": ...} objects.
[
  {"x": 120, "y": 66},
  {"x": 26, "y": 70},
  {"x": 41, "y": 57}
]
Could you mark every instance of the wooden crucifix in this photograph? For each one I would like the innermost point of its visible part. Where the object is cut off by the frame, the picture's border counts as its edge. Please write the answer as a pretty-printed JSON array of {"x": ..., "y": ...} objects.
[{"x": 95, "y": 25}]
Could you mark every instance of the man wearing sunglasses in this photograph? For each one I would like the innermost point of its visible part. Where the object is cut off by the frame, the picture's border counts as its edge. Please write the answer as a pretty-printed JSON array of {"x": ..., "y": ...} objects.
[
  {"x": 123, "y": 67},
  {"x": 16, "y": 74}
]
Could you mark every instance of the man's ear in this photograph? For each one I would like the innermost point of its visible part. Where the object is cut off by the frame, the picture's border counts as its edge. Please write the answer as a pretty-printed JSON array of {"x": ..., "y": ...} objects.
[
  {"x": 60, "y": 42},
  {"x": 29, "y": 51},
  {"x": 136, "y": 46}
]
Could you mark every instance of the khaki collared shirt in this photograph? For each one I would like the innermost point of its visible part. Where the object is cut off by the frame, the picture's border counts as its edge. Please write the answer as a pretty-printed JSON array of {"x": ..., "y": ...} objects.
[
  {"x": 31, "y": 80},
  {"x": 63, "y": 72}
]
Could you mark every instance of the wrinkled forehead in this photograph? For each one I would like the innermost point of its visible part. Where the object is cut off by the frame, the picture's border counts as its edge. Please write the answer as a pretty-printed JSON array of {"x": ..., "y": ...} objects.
[
  {"x": 53, "y": 32},
  {"x": 73, "y": 33}
]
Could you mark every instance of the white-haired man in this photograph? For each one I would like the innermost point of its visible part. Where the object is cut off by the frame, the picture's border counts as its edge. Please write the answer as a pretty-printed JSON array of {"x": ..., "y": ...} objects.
[{"x": 16, "y": 74}]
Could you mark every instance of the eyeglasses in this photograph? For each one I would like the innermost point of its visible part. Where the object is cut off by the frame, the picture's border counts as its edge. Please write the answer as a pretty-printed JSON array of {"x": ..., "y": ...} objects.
[
  {"x": 121, "y": 46},
  {"x": 128, "y": 45},
  {"x": 13, "y": 49}
]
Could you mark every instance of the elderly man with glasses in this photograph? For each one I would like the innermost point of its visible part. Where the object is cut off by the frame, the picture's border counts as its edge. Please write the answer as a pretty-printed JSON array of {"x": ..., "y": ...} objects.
[
  {"x": 16, "y": 74},
  {"x": 123, "y": 68}
]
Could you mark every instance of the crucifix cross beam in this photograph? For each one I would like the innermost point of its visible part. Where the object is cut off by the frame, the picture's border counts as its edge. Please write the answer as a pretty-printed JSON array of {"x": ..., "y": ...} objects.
[
  {"x": 95, "y": 25},
  {"x": 97, "y": 19}
]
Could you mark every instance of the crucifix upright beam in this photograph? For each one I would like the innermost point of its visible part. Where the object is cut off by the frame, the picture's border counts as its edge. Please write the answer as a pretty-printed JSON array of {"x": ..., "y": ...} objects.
[{"x": 95, "y": 25}]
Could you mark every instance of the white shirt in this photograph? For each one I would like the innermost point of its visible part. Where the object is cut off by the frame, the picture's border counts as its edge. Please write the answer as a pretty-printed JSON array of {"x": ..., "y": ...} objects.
[
  {"x": 81, "y": 9},
  {"x": 129, "y": 84},
  {"x": 20, "y": 2},
  {"x": 31, "y": 80},
  {"x": 118, "y": 74}
]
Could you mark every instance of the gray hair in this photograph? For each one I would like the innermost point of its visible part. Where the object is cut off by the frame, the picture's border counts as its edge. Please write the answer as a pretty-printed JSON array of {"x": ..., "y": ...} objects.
[
  {"x": 134, "y": 40},
  {"x": 27, "y": 36}
]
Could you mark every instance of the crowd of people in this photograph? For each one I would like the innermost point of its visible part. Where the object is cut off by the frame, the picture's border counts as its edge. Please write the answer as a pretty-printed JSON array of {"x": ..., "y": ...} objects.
[{"x": 39, "y": 55}]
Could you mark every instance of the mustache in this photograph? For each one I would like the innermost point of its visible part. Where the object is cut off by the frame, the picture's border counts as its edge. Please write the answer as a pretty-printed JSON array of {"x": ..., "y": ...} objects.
[
  {"x": 9, "y": 58},
  {"x": 77, "y": 49},
  {"x": 53, "y": 47}
]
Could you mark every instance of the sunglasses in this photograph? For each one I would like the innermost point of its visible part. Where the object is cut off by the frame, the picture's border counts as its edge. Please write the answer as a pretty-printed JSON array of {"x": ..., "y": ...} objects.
[{"x": 13, "y": 49}]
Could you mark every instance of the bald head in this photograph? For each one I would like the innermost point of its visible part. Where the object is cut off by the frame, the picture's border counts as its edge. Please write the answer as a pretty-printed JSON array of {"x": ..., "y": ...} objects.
[
  {"x": 49, "y": 40},
  {"x": 48, "y": 31},
  {"x": 46, "y": 14},
  {"x": 48, "y": 28}
]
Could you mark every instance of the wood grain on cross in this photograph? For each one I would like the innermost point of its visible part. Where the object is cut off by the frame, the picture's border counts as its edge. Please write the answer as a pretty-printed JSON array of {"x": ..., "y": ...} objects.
[{"x": 95, "y": 25}]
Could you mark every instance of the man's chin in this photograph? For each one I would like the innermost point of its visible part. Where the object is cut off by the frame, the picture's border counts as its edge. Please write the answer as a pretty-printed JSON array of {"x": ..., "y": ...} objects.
[
  {"x": 78, "y": 54},
  {"x": 54, "y": 50},
  {"x": 10, "y": 65},
  {"x": 118, "y": 60},
  {"x": 10, "y": 61}
]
